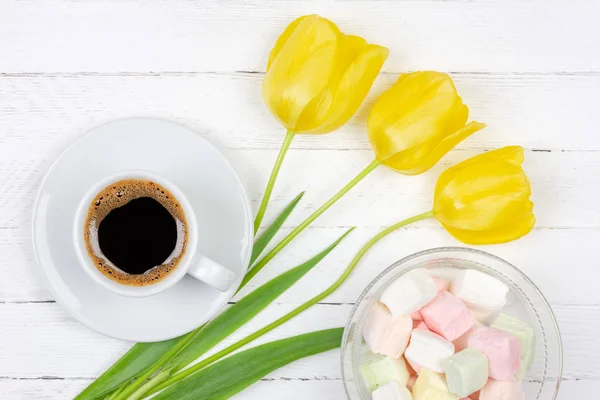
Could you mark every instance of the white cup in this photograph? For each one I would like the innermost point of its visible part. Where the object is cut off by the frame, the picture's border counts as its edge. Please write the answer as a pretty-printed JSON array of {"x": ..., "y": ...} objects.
[{"x": 193, "y": 263}]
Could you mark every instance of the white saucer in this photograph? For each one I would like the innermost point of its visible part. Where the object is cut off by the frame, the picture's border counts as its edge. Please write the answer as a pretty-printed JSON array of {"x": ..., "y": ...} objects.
[{"x": 203, "y": 175}]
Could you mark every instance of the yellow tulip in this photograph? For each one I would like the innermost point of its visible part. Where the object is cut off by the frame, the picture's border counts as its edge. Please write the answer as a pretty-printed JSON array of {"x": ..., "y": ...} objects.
[
  {"x": 485, "y": 199},
  {"x": 417, "y": 121},
  {"x": 411, "y": 126},
  {"x": 317, "y": 77}
]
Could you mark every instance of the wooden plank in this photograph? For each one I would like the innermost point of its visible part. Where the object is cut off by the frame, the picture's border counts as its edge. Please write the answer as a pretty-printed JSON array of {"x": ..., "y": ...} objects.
[
  {"x": 109, "y": 36},
  {"x": 551, "y": 256},
  {"x": 41, "y": 340},
  {"x": 555, "y": 112},
  {"x": 287, "y": 389},
  {"x": 559, "y": 180}
]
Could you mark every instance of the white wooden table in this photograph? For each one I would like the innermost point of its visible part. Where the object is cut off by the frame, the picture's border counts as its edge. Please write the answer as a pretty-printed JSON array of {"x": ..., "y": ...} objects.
[{"x": 530, "y": 69}]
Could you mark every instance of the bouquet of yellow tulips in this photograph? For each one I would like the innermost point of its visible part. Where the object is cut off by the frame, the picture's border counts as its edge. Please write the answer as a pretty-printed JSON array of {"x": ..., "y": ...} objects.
[{"x": 316, "y": 79}]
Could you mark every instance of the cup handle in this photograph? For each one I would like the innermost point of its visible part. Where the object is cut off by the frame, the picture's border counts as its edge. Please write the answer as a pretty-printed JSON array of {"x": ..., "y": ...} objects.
[{"x": 212, "y": 273}]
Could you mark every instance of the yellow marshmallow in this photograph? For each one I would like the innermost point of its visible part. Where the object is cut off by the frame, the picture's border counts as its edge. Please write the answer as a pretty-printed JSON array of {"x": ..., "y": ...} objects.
[{"x": 431, "y": 386}]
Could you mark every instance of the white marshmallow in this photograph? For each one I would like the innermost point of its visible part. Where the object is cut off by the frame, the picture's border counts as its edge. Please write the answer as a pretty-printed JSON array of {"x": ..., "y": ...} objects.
[
  {"x": 392, "y": 391},
  {"x": 409, "y": 292},
  {"x": 479, "y": 290},
  {"x": 428, "y": 350}
]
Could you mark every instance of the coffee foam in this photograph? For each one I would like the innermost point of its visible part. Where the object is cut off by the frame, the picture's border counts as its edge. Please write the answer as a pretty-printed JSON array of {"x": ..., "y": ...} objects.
[{"x": 116, "y": 195}]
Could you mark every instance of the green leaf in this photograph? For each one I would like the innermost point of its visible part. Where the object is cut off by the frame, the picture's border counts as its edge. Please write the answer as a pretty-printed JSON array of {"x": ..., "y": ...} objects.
[
  {"x": 130, "y": 365},
  {"x": 144, "y": 355},
  {"x": 244, "y": 310},
  {"x": 267, "y": 236},
  {"x": 233, "y": 374}
]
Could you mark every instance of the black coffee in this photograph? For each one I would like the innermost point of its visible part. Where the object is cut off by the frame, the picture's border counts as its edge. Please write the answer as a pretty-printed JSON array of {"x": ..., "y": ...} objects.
[{"x": 135, "y": 232}]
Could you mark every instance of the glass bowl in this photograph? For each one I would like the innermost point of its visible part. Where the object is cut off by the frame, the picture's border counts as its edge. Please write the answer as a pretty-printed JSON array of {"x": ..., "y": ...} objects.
[{"x": 524, "y": 301}]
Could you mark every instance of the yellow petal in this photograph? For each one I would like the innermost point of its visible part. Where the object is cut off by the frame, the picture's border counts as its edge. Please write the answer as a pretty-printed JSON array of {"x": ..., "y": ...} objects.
[
  {"x": 503, "y": 234},
  {"x": 284, "y": 37},
  {"x": 424, "y": 157},
  {"x": 481, "y": 180},
  {"x": 301, "y": 70},
  {"x": 485, "y": 213},
  {"x": 510, "y": 154},
  {"x": 317, "y": 77},
  {"x": 420, "y": 109},
  {"x": 354, "y": 46},
  {"x": 353, "y": 87}
]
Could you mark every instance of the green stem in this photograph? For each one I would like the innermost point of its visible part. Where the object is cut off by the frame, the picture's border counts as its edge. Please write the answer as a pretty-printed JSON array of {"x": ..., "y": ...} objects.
[
  {"x": 269, "y": 256},
  {"x": 117, "y": 391},
  {"x": 274, "y": 172},
  {"x": 196, "y": 367},
  {"x": 140, "y": 393},
  {"x": 141, "y": 380}
]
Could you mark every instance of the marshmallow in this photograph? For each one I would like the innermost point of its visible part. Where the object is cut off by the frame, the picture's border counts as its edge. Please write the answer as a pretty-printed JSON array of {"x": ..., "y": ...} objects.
[
  {"x": 392, "y": 391},
  {"x": 442, "y": 285},
  {"x": 377, "y": 373},
  {"x": 502, "y": 350},
  {"x": 479, "y": 290},
  {"x": 447, "y": 316},
  {"x": 409, "y": 292},
  {"x": 411, "y": 382},
  {"x": 502, "y": 390},
  {"x": 463, "y": 342},
  {"x": 466, "y": 372},
  {"x": 482, "y": 315},
  {"x": 431, "y": 386},
  {"x": 413, "y": 370},
  {"x": 416, "y": 316},
  {"x": 526, "y": 337},
  {"x": 428, "y": 350},
  {"x": 446, "y": 273},
  {"x": 414, "y": 367},
  {"x": 386, "y": 334},
  {"x": 421, "y": 325}
]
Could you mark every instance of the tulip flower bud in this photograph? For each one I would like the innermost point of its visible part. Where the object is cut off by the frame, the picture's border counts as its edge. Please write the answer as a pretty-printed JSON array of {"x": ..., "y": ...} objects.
[
  {"x": 317, "y": 77},
  {"x": 417, "y": 121},
  {"x": 485, "y": 199}
]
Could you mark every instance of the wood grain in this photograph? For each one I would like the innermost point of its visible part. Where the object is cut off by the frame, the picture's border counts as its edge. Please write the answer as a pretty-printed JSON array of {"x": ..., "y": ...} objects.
[
  {"x": 179, "y": 35},
  {"x": 288, "y": 389},
  {"x": 43, "y": 341},
  {"x": 42, "y": 114},
  {"x": 530, "y": 69},
  {"x": 559, "y": 180},
  {"x": 555, "y": 259}
]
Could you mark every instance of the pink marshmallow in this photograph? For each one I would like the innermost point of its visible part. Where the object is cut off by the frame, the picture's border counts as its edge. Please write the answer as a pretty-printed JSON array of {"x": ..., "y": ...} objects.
[
  {"x": 421, "y": 325},
  {"x": 502, "y": 349},
  {"x": 386, "y": 334},
  {"x": 463, "y": 342},
  {"x": 442, "y": 285},
  {"x": 448, "y": 316},
  {"x": 411, "y": 382},
  {"x": 502, "y": 390},
  {"x": 416, "y": 316}
]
